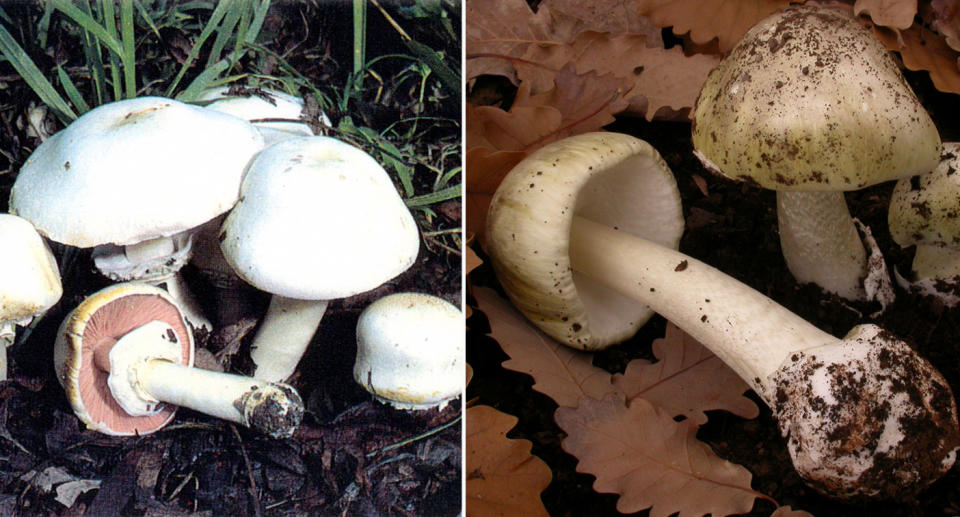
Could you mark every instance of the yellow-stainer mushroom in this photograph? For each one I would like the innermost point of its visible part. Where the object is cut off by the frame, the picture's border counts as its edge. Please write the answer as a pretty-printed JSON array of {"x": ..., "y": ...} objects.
[{"x": 124, "y": 357}]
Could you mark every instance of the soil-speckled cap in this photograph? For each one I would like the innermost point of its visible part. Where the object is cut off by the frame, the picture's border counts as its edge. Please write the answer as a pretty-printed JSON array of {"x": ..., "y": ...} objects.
[
  {"x": 610, "y": 178},
  {"x": 925, "y": 209},
  {"x": 810, "y": 100},
  {"x": 133, "y": 170},
  {"x": 318, "y": 219}
]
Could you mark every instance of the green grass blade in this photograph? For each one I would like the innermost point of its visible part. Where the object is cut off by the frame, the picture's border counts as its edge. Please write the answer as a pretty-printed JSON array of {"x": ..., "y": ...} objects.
[
  {"x": 109, "y": 17},
  {"x": 87, "y": 22},
  {"x": 204, "y": 80},
  {"x": 43, "y": 26},
  {"x": 434, "y": 197},
  {"x": 129, "y": 56},
  {"x": 145, "y": 15},
  {"x": 32, "y": 75},
  {"x": 72, "y": 92},
  {"x": 215, "y": 17},
  {"x": 359, "y": 50},
  {"x": 259, "y": 14},
  {"x": 225, "y": 31}
]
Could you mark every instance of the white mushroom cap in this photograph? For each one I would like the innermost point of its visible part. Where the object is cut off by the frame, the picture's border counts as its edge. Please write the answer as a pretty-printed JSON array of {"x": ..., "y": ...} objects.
[
  {"x": 318, "y": 219},
  {"x": 29, "y": 278},
  {"x": 611, "y": 178},
  {"x": 410, "y": 350},
  {"x": 811, "y": 100},
  {"x": 133, "y": 170},
  {"x": 262, "y": 103},
  {"x": 925, "y": 209}
]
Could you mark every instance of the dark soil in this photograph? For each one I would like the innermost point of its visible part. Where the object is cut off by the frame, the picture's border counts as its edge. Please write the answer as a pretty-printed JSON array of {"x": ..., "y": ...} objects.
[
  {"x": 734, "y": 228},
  {"x": 351, "y": 455}
]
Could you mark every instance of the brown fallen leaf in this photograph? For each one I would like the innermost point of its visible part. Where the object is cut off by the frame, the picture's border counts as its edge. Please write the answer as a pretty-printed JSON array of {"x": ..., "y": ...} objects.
[
  {"x": 651, "y": 461},
  {"x": 923, "y": 49},
  {"x": 896, "y": 14},
  {"x": 501, "y": 31},
  {"x": 502, "y": 477},
  {"x": 613, "y": 16},
  {"x": 471, "y": 261},
  {"x": 686, "y": 380},
  {"x": 726, "y": 20},
  {"x": 559, "y": 372},
  {"x": 944, "y": 17},
  {"x": 660, "y": 77},
  {"x": 486, "y": 170}
]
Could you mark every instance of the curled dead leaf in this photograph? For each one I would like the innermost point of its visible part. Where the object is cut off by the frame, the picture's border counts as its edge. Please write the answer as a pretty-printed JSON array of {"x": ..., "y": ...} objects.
[
  {"x": 923, "y": 49},
  {"x": 502, "y": 477},
  {"x": 896, "y": 14},
  {"x": 726, "y": 20}
]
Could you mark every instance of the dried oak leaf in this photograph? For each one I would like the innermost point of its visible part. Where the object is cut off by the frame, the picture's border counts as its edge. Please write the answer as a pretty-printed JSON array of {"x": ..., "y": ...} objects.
[
  {"x": 944, "y": 17},
  {"x": 658, "y": 77},
  {"x": 559, "y": 372},
  {"x": 923, "y": 49},
  {"x": 500, "y": 31},
  {"x": 503, "y": 478},
  {"x": 652, "y": 461},
  {"x": 470, "y": 262},
  {"x": 487, "y": 169},
  {"x": 726, "y": 20},
  {"x": 613, "y": 16},
  {"x": 897, "y": 14},
  {"x": 686, "y": 380}
]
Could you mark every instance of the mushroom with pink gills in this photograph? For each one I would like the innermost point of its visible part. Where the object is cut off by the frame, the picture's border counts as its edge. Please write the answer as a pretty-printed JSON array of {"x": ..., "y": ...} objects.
[
  {"x": 317, "y": 220},
  {"x": 276, "y": 114},
  {"x": 132, "y": 179},
  {"x": 925, "y": 212},
  {"x": 29, "y": 280},
  {"x": 810, "y": 104},
  {"x": 864, "y": 416},
  {"x": 410, "y": 350},
  {"x": 125, "y": 355}
]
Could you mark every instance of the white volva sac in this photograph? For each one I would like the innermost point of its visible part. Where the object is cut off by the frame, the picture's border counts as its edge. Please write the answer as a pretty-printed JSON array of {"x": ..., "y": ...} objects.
[
  {"x": 845, "y": 405},
  {"x": 811, "y": 104},
  {"x": 410, "y": 350}
]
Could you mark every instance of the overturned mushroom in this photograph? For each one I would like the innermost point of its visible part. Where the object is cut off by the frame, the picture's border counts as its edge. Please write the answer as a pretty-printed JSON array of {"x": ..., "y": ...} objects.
[
  {"x": 132, "y": 179},
  {"x": 124, "y": 356},
  {"x": 811, "y": 104},
  {"x": 925, "y": 212},
  {"x": 29, "y": 280},
  {"x": 410, "y": 351},
  {"x": 864, "y": 416}
]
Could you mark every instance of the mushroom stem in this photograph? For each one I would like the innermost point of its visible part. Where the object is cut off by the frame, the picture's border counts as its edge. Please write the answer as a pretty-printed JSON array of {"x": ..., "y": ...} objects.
[
  {"x": 727, "y": 316},
  {"x": 820, "y": 242},
  {"x": 8, "y": 334},
  {"x": 936, "y": 262},
  {"x": 283, "y": 336},
  {"x": 142, "y": 375}
]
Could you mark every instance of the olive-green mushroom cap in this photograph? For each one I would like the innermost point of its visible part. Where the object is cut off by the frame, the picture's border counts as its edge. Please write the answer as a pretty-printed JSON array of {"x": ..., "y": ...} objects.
[
  {"x": 810, "y": 100},
  {"x": 925, "y": 209}
]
